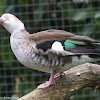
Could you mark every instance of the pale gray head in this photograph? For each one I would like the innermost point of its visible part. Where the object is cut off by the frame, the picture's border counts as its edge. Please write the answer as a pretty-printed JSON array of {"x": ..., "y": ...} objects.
[{"x": 11, "y": 23}]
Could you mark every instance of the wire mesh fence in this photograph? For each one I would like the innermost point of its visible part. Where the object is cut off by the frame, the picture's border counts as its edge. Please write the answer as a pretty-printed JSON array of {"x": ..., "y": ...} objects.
[{"x": 76, "y": 16}]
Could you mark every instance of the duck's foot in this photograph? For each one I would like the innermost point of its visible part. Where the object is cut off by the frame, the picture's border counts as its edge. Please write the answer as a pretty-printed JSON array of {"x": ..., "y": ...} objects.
[
  {"x": 44, "y": 85},
  {"x": 59, "y": 74},
  {"x": 48, "y": 83}
]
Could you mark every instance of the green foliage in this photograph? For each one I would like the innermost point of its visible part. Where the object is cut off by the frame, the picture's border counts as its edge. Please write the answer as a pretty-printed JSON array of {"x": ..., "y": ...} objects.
[
  {"x": 3, "y": 8},
  {"x": 80, "y": 18},
  {"x": 80, "y": 15},
  {"x": 97, "y": 15},
  {"x": 6, "y": 53},
  {"x": 86, "y": 94},
  {"x": 87, "y": 30}
]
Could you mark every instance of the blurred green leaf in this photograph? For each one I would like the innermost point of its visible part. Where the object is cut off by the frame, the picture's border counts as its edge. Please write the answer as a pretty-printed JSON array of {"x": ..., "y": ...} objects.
[
  {"x": 65, "y": 9},
  {"x": 22, "y": 1},
  {"x": 97, "y": 15},
  {"x": 28, "y": 88},
  {"x": 6, "y": 53},
  {"x": 85, "y": 94},
  {"x": 83, "y": 14},
  {"x": 97, "y": 24},
  {"x": 14, "y": 97},
  {"x": 80, "y": 15},
  {"x": 38, "y": 14},
  {"x": 86, "y": 30},
  {"x": 3, "y": 2}
]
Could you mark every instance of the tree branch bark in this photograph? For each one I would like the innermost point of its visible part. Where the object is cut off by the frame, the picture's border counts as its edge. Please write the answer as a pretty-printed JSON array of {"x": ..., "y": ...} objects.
[{"x": 79, "y": 77}]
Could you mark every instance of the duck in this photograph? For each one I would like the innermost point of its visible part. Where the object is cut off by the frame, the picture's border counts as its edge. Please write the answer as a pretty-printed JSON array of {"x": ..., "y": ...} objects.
[{"x": 52, "y": 51}]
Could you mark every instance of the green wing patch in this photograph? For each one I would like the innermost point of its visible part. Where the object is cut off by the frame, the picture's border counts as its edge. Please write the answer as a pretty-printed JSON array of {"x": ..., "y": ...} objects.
[{"x": 71, "y": 44}]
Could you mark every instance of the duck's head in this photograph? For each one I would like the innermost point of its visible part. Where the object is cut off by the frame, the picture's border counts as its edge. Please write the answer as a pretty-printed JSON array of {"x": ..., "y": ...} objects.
[{"x": 11, "y": 23}]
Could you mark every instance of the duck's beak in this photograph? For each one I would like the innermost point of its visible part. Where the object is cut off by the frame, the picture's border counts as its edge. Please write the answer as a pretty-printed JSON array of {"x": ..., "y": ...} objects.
[{"x": 2, "y": 21}]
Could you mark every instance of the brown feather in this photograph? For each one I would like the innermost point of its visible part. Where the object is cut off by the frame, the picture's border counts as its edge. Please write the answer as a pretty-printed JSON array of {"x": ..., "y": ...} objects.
[{"x": 58, "y": 35}]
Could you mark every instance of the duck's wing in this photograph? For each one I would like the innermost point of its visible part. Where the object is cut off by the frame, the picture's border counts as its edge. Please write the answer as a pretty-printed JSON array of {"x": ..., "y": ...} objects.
[
  {"x": 58, "y": 35},
  {"x": 62, "y": 41}
]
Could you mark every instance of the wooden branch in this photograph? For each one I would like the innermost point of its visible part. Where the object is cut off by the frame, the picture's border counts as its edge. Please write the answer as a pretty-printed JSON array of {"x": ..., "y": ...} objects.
[{"x": 76, "y": 78}]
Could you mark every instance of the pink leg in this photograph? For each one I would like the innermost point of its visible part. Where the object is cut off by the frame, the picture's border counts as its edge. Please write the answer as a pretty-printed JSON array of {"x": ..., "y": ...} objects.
[
  {"x": 48, "y": 83},
  {"x": 59, "y": 74}
]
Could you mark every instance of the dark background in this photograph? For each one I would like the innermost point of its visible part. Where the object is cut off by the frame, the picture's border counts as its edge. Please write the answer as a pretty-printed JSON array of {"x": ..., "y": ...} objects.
[{"x": 77, "y": 16}]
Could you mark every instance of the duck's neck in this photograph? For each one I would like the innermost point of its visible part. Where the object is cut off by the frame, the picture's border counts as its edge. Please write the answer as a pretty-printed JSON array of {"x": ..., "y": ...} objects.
[{"x": 20, "y": 33}]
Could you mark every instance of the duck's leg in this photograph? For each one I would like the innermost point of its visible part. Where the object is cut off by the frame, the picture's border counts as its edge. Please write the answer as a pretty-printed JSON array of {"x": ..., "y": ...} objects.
[{"x": 48, "y": 83}]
